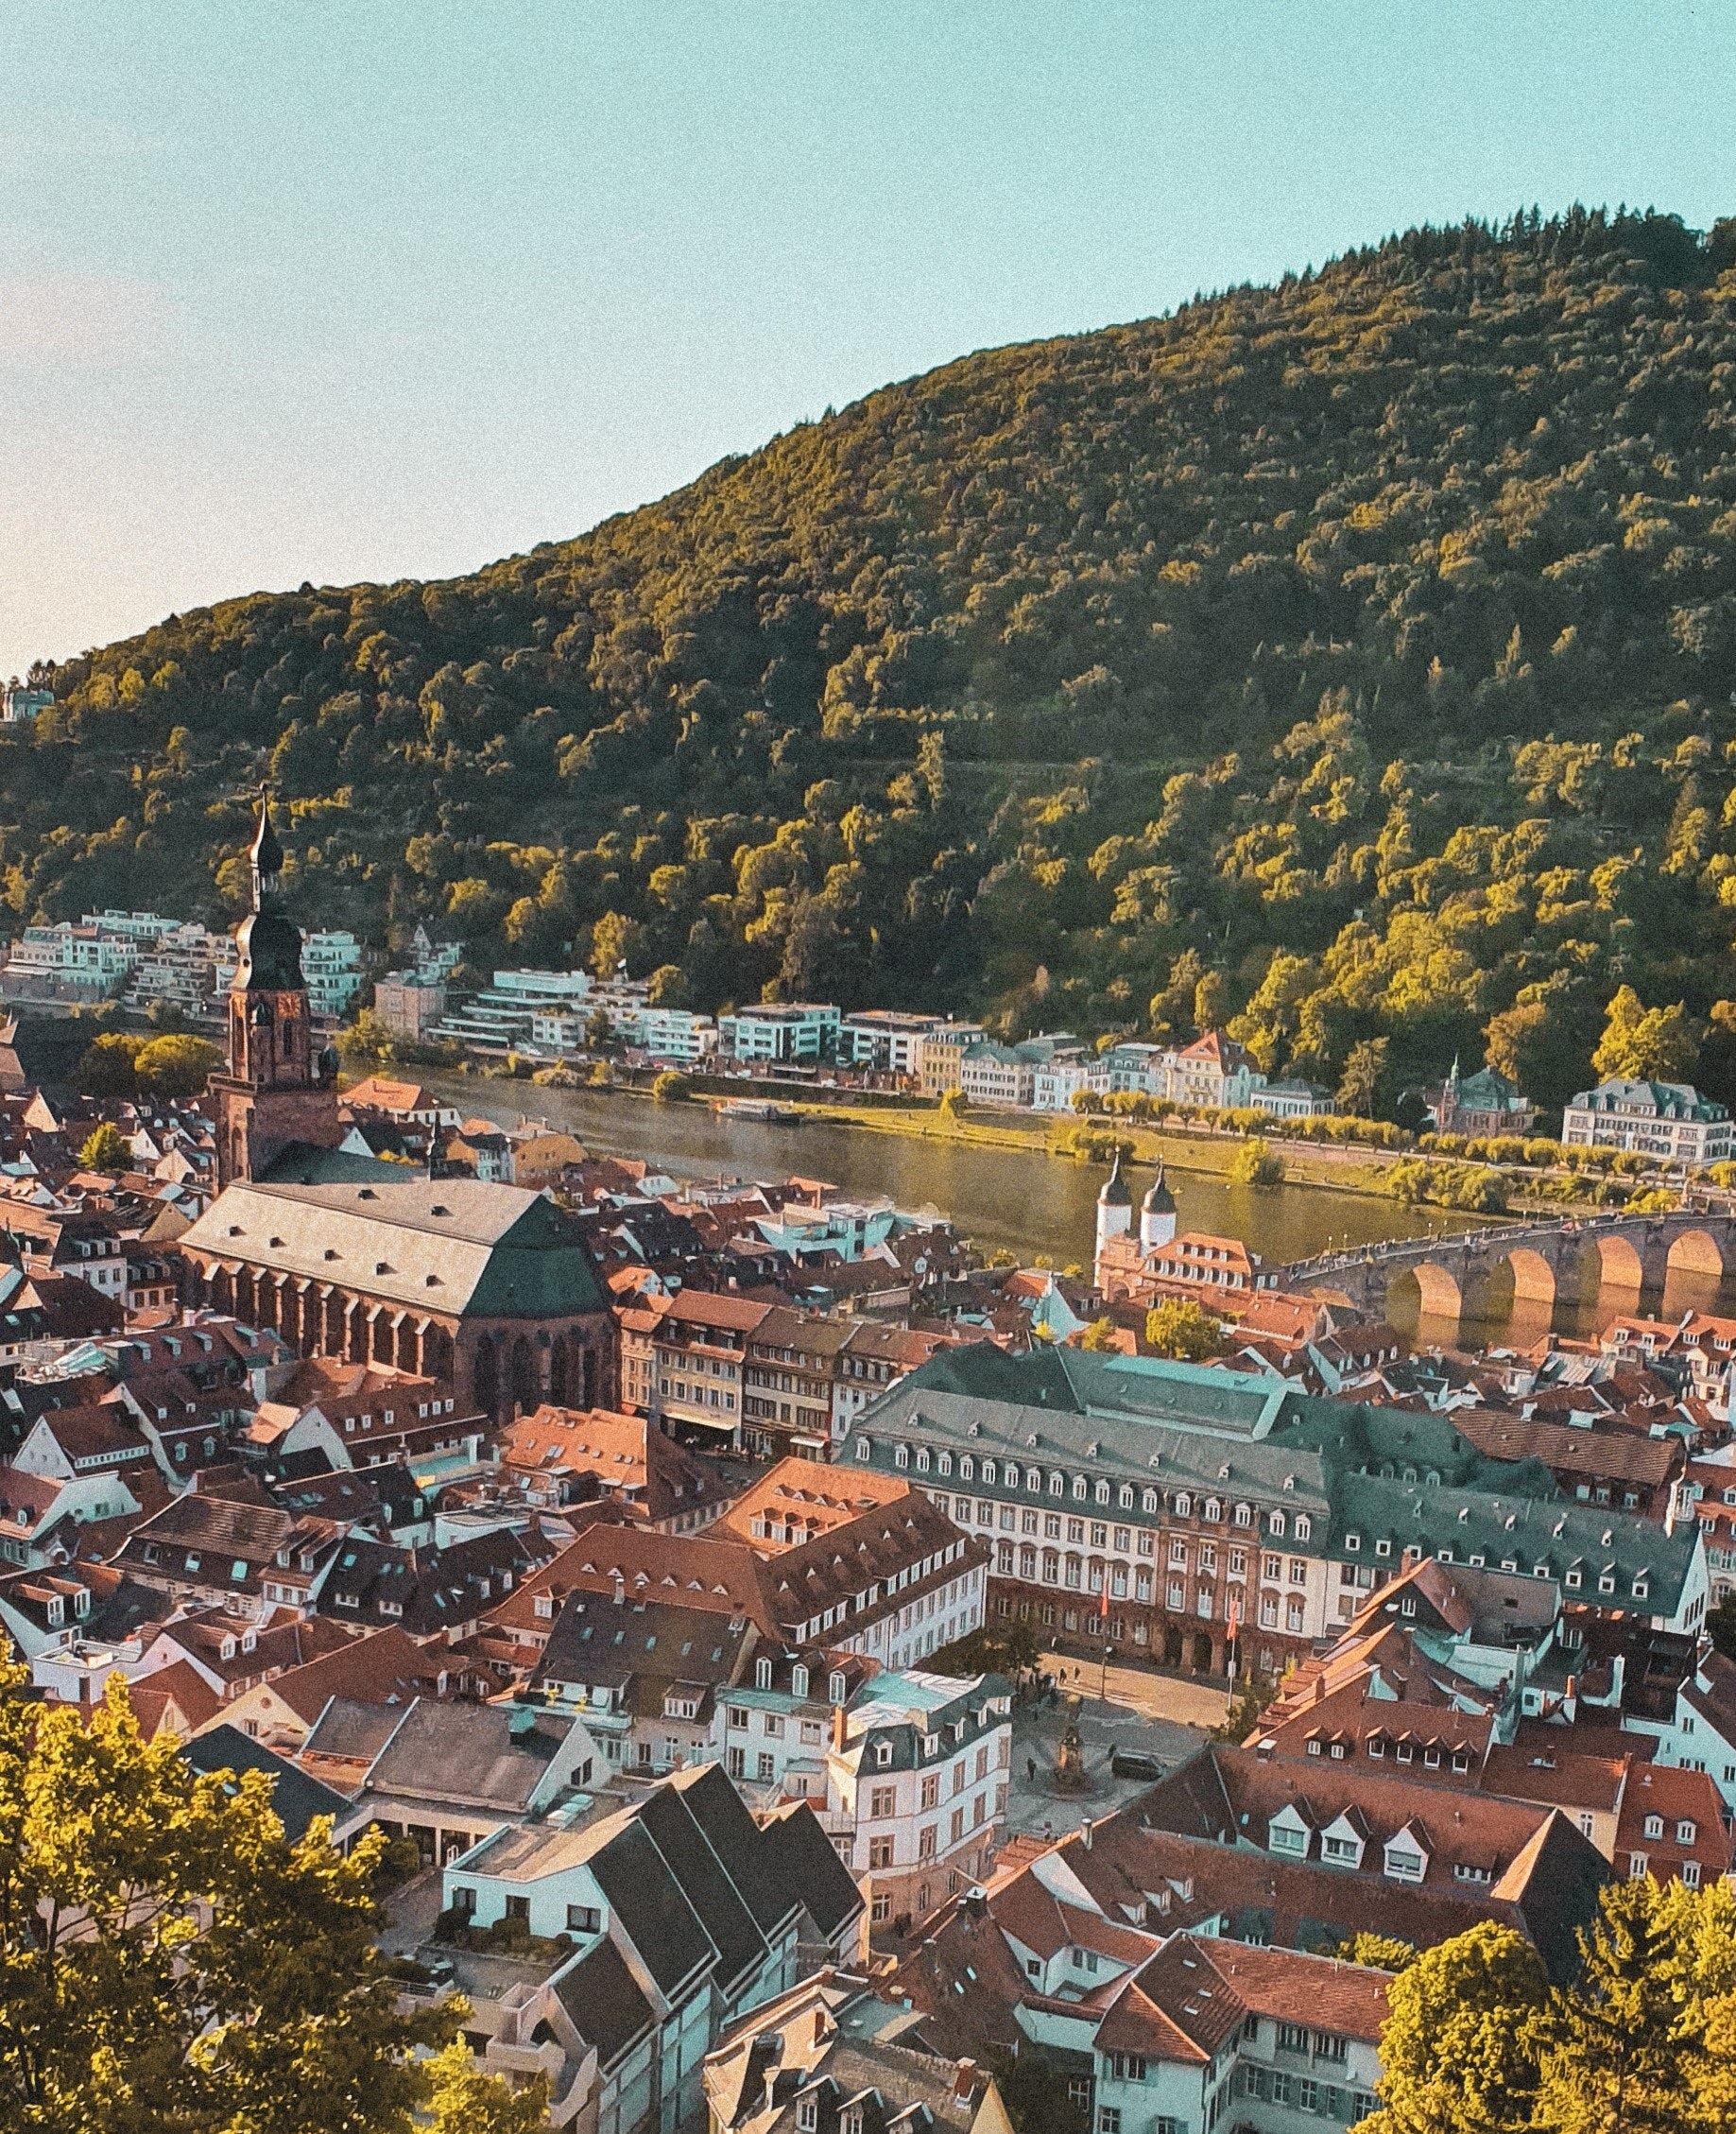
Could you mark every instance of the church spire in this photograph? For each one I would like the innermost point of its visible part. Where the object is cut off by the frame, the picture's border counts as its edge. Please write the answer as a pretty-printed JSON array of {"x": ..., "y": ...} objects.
[{"x": 267, "y": 855}]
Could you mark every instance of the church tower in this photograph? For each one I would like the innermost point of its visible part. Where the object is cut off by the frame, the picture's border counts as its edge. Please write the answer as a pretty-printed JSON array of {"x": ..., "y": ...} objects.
[{"x": 276, "y": 1093}]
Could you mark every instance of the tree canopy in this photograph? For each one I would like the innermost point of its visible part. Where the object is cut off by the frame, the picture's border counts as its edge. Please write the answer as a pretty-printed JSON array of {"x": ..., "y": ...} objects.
[
  {"x": 1642, "y": 2043},
  {"x": 169, "y": 1958},
  {"x": 1352, "y": 658}
]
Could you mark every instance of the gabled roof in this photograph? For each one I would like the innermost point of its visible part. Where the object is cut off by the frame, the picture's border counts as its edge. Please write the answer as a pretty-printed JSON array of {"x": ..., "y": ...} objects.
[
  {"x": 608, "y": 2009},
  {"x": 295, "y": 1797},
  {"x": 446, "y": 1245}
]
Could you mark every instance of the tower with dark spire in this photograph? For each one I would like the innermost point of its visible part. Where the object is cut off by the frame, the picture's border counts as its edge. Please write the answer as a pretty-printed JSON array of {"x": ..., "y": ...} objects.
[
  {"x": 1115, "y": 1209},
  {"x": 278, "y": 1091},
  {"x": 1157, "y": 1215}
]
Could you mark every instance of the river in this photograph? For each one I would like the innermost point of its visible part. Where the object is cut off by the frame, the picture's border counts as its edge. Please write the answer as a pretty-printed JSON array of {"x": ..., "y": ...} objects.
[{"x": 1031, "y": 1204}]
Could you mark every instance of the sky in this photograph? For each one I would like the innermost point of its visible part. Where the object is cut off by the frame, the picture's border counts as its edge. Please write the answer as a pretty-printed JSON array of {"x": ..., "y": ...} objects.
[{"x": 333, "y": 292}]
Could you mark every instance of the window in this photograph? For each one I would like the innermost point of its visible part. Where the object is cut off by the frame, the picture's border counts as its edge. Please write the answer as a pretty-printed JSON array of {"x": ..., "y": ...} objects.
[
  {"x": 1691, "y": 1874},
  {"x": 931, "y": 1790},
  {"x": 738, "y": 1718},
  {"x": 583, "y": 1918},
  {"x": 1108, "y": 2120},
  {"x": 463, "y": 1898},
  {"x": 1654, "y": 1826},
  {"x": 1635, "y": 1865},
  {"x": 807, "y": 2114},
  {"x": 1127, "y": 2067},
  {"x": 517, "y": 1907},
  {"x": 882, "y": 1802},
  {"x": 1686, "y": 1832},
  {"x": 880, "y": 1853},
  {"x": 1403, "y": 1864},
  {"x": 883, "y": 1754},
  {"x": 1292, "y": 2037}
]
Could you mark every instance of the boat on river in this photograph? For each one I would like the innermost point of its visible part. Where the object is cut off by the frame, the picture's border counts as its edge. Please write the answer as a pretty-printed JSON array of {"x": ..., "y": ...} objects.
[{"x": 761, "y": 1109}]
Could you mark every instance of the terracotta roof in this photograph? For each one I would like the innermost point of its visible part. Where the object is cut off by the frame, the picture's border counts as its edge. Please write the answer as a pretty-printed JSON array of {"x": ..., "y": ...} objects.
[
  {"x": 1606, "y": 1454},
  {"x": 810, "y": 1495},
  {"x": 385, "y": 1668},
  {"x": 1565, "y": 1779}
]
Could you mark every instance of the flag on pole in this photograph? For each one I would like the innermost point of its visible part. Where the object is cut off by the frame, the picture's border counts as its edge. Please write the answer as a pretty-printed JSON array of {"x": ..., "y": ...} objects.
[{"x": 1103, "y": 1598}]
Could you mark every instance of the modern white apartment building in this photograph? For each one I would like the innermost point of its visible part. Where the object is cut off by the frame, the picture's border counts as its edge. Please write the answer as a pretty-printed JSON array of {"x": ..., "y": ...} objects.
[
  {"x": 187, "y": 968},
  {"x": 502, "y": 1016},
  {"x": 1669, "y": 1120},
  {"x": 331, "y": 965},
  {"x": 885, "y": 1040},
  {"x": 784, "y": 1033}
]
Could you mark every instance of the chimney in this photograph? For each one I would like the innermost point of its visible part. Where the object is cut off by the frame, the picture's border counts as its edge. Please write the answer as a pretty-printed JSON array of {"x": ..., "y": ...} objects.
[
  {"x": 1085, "y": 1831},
  {"x": 964, "y": 2082},
  {"x": 838, "y": 1727},
  {"x": 822, "y": 2024},
  {"x": 620, "y": 1590},
  {"x": 1319, "y": 1689}
]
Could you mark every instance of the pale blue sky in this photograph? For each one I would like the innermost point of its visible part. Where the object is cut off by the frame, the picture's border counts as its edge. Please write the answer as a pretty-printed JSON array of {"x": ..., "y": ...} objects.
[{"x": 298, "y": 290}]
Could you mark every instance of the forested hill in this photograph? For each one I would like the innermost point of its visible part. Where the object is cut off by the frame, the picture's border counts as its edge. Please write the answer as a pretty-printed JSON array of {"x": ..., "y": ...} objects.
[{"x": 1364, "y": 646}]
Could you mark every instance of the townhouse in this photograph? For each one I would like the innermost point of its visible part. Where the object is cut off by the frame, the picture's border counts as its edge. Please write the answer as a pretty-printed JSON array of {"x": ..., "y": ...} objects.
[
  {"x": 808, "y": 2061},
  {"x": 449, "y": 1775},
  {"x": 566, "y": 1456},
  {"x": 917, "y": 1787},
  {"x": 682, "y": 1914}
]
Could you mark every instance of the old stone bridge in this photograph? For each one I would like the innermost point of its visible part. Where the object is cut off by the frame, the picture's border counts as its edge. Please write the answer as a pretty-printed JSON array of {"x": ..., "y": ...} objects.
[{"x": 1474, "y": 1273}]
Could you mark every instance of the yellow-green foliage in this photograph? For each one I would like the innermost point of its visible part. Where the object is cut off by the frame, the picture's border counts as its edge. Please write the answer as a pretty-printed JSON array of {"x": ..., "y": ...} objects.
[{"x": 1351, "y": 660}]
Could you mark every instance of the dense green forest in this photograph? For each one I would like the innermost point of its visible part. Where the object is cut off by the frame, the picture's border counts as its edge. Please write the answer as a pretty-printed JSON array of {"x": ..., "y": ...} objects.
[{"x": 1353, "y": 658}]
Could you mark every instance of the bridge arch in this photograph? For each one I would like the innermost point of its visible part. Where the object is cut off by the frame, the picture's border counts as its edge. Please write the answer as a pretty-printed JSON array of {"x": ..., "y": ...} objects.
[
  {"x": 1620, "y": 1265},
  {"x": 1697, "y": 1251},
  {"x": 1438, "y": 1295},
  {"x": 1534, "y": 1277}
]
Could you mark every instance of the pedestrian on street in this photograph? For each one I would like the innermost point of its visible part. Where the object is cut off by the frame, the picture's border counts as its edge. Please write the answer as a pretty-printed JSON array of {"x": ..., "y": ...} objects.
[{"x": 1030, "y": 1767}]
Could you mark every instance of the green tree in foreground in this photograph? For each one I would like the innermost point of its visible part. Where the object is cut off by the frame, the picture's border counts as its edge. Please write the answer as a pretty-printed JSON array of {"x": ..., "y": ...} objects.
[
  {"x": 1183, "y": 1330},
  {"x": 169, "y": 1959},
  {"x": 1458, "y": 2051},
  {"x": 952, "y": 1107},
  {"x": 669, "y": 1087},
  {"x": 1100, "y": 1336},
  {"x": 1642, "y": 2043},
  {"x": 106, "y": 1149},
  {"x": 178, "y": 1065},
  {"x": 1721, "y": 1625},
  {"x": 1379, "y": 1951}
]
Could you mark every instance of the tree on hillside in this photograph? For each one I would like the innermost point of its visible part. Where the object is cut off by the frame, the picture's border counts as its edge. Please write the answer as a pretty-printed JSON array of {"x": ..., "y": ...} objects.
[
  {"x": 1361, "y": 1080},
  {"x": 1184, "y": 1331},
  {"x": 1645, "y": 1043},
  {"x": 178, "y": 1066},
  {"x": 106, "y": 1149},
  {"x": 110, "y": 1066},
  {"x": 168, "y": 1958}
]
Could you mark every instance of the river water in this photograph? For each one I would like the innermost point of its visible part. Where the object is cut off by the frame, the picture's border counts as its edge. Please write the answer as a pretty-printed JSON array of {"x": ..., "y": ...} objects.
[{"x": 1032, "y": 1204}]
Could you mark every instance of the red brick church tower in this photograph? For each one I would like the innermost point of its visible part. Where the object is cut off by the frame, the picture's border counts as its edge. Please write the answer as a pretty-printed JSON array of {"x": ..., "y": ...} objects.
[{"x": 277, "y": 1092}]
